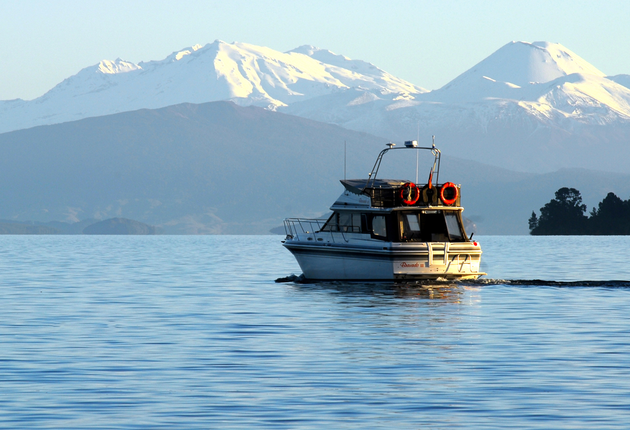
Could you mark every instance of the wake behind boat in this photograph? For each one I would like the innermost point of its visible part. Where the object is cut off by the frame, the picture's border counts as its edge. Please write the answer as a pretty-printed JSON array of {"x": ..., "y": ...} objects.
[{"x": 388, "y": 229}]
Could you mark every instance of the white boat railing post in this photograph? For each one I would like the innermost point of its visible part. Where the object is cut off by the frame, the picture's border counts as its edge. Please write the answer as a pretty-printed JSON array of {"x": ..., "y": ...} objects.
[
  {"x": 461, "y": 266},
  {"x": 307, "y": 230},
  {"x": 288, "y": 228},
  {"x": 446, "y": 248}
]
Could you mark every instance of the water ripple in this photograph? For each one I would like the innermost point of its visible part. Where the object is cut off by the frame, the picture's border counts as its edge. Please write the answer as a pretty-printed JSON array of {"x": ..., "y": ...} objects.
[{"x": 193, "y": 332}]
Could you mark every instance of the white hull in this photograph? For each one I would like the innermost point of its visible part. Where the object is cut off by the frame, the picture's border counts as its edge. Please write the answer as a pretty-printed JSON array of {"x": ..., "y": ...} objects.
[{"x": 396, "y": 262}]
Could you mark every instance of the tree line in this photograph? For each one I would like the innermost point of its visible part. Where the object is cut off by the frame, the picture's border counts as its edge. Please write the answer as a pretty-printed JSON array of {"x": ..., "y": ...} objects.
[{"x": 566, "y": 215}]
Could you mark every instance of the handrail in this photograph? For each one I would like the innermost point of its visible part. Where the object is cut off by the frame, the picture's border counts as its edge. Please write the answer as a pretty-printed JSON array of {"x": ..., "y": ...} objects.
[
  {"x": 379, "y": 159},
  {"x": 305, "y": 224},
  {"x": 310, "y": 226}
]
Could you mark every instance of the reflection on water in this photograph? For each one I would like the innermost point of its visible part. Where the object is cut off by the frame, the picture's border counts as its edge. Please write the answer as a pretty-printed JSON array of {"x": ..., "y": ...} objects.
[{"x": 432, "y": 290}]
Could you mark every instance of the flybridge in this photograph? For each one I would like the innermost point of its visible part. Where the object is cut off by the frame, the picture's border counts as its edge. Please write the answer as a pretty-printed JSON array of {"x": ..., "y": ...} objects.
[{"x": 391, "y": 193}]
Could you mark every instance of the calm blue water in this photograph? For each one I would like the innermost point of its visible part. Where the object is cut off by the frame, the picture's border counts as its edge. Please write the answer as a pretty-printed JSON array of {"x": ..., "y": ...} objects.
[{"x": 193, "y": 332}]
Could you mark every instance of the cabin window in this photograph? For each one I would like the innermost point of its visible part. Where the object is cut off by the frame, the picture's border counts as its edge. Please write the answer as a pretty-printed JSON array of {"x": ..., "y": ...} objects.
[
  {"x": 347, "y": 222},
  {"x": 410, "y": 227},
  {"x": 332, "y": 224},
  {"x": 350, "y": 222},
  {"x": 379, "y": 226},
  {"x": 413, "y": 222},
  {"x": 454, "y": 229},
  {"x": 430, "y": 226}
]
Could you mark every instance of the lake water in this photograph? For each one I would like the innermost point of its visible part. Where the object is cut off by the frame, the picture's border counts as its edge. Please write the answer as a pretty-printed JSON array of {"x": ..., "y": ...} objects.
[{"x": 193, "y": 332}]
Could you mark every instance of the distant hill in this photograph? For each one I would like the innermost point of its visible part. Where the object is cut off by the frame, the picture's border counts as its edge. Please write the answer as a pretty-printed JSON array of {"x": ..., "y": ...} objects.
[
  {"x": 218, "y": 168},
  {"x": 119, "y": 226},
  {"x": 21, "y": 228},
  {"x": 88, "y": 226},
  {"x": 70, "y": 227},
  {"x": 191, "y": 169}
]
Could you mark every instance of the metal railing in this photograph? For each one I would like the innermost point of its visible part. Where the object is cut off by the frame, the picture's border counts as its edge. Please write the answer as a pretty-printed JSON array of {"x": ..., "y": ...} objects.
[
  {"x": 295, "y": 226},
  {"x": 435, "y": 170},
  {"x": 313, "y": 228}
]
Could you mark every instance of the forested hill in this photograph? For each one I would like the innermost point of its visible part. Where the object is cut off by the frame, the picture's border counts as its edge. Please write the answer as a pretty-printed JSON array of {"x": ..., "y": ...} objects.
[{"x": 566, "y": 215}]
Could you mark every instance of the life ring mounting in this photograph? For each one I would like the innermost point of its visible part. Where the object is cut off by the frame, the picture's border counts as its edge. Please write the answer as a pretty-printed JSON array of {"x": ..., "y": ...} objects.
[{"x": 409, "y": 193}]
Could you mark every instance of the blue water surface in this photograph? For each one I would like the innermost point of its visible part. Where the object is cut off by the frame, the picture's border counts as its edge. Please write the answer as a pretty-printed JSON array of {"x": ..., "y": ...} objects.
[{"x": 193, "y": 332}]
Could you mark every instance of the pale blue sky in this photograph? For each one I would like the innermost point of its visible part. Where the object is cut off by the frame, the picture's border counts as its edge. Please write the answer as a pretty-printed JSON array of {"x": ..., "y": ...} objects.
[{"x": 427, "y": 43}]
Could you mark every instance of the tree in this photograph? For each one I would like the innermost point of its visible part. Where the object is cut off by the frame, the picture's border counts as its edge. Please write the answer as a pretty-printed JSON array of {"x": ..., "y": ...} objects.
[
  {"x": 533, "y": 221},
  {"x": 563, "y": 215},
  {"x": 612, "y": 216}
]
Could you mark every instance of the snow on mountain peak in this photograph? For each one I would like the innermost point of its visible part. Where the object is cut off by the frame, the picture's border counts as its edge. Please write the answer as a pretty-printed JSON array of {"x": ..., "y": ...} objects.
[
  {"x": 244, "y": 73},
  {"x": 517, "y": 71},
  {"x": 323, "y": 55},
  {"x": 174, "y": 56},
  {"x": 118, "y": 66},
  {"x": 306, "y": 50},
  {"x": 523, "y": 63},
  {"x": 179, "y": 55},
  {"x": 377, "y": 77}
]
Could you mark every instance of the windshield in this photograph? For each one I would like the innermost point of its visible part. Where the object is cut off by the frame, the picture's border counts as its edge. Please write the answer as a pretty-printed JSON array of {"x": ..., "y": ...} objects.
[{"x": 430, "y": 226}]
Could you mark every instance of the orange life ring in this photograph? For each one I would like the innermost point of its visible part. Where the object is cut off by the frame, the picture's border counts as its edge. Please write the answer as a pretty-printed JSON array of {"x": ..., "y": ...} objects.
[
  {"x": 411, "y": 190},
  {"x": 444, "y": 189}
]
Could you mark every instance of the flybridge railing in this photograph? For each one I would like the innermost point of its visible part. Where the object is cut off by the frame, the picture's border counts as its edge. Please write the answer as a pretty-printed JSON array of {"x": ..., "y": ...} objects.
[{"x": 412, "y": 144}]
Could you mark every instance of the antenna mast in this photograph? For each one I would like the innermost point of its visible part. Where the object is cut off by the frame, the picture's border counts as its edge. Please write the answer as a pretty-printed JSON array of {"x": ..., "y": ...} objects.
[
  {"x": 417, "y": 156},
  {"x": 344, "y": 160}
]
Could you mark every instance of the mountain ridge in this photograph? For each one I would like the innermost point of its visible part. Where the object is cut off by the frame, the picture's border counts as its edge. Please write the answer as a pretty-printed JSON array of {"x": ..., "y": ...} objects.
[
  {"x": 239, "y": 72},
  {"x": 220, "y": 168},
  {"x": 535, "y": 106}
]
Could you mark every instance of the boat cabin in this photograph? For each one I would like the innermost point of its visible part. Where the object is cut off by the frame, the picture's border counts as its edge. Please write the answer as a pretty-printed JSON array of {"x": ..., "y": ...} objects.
[
  {"x": 399, "y": 211},
  {"x": 401, "y": 225}
]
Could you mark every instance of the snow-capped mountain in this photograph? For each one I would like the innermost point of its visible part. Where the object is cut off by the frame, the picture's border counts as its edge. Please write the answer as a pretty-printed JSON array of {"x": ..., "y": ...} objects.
[
  {"x": 528, "y": 106},
  {"x": 517, "y": 65},
  {"x": 542, "y": 78},
  {"x": 546, "y": 80},
  {"x": 244, "y": 73}
]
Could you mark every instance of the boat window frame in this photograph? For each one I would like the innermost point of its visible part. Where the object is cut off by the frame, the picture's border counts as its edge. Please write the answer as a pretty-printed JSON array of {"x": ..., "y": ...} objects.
[
  {"x": 429, "y": 230},
  {"x": 328, "y": 223},
  {"x": 460, "y": 226},
  {"x": 358, "y": 222},
  {"x": 386, "y": 225},
  {"x": 405, "y": 231}
]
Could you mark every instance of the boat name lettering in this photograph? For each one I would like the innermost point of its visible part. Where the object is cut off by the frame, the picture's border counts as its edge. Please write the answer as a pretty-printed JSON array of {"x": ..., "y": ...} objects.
[{"x": 403, "y": 264}]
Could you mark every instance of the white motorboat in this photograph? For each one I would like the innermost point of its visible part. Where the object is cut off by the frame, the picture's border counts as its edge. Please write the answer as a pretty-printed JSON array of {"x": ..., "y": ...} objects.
[{"x": 388, "y": 229}]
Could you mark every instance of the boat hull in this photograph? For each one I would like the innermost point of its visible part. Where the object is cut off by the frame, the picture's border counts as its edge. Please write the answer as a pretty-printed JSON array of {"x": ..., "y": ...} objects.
[{"x": 430, "y": 262}]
